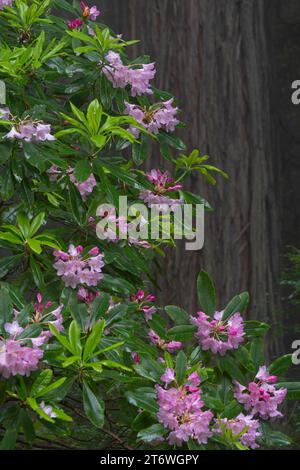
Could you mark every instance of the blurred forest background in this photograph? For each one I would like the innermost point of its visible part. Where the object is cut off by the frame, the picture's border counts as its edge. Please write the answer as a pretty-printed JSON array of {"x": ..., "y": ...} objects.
[{"x": 231, "y": 64}]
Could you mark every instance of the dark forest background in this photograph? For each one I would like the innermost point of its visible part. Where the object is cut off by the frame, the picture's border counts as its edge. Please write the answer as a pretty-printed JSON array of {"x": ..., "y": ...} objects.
[{"x": 231, "y": 64}]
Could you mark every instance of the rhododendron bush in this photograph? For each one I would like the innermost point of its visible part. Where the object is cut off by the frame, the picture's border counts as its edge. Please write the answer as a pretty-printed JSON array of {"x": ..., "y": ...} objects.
[{"x": 87, "y": 357}]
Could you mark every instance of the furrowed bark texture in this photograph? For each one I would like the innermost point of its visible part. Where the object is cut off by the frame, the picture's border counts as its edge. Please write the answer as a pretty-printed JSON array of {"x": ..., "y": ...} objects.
[{"x": 213, "y": 55}]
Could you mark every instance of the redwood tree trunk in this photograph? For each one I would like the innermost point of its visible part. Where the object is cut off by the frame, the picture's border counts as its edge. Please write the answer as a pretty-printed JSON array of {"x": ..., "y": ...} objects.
[{"x": 213, "y": 55}]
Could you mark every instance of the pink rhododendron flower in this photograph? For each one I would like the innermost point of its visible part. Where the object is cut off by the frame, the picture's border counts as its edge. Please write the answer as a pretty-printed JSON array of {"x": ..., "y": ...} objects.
[
  {"x": 123, "y": 75},
  {"x": 260, "y": 397},
  {"x": 4, "y": 113},
  {"x": 218, "y": 336},
  {"x": 181, "y": 411},
  {"x": 13, "y": 329},
  {"x": 85, "y": 188},
  {"x": 111, "y": 226},
  {"x": 76, "y": 269},
  {"x": 155, "y": 118},
  {"x": 48, "y": 410},
  {"x": 90, "y": 13},
  {"x": 31, "y": 132},
  {"x": 75, "y": 24},
  {"x": 168, "y": 377},
  {"x": 238, "y": 425},
  {"x": 144, "y": 303},
  {"x": 6, "y": 3},
  {"x": 16, "y": 359},
  {"x": 162, "y": 185},
  {"x": 162, "y": 344}
]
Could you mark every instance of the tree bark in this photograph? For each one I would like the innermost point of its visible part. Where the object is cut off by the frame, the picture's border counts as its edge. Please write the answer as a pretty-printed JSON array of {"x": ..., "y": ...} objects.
[{"x": 213, "y": 55}]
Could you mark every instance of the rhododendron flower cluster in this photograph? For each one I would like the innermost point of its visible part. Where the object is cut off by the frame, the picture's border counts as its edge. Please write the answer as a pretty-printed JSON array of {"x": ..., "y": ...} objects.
[
  {"x": 261, "y": 397},
  {"x": 144, "y": 303},
  {"x": 219, "y": 336},
  {"x": 180, "y": 410},
  {"x": 85, "y": 188},
  {"x": 122, "y": 75},
  {"x": 241, "y": 424},
  {"x": 162, "y": 185},
  {"x": 77, "y": 269},
  {"x": 114, "y": 227},
  {"x": 31, "y": 131},
  {"x": 160, "y": 116},
  {"x": 6, "y": 3},
  {"x": 162, "y": 344},
  {"x": 88, "y": 13},
  {"x": 16, "y": 359}
]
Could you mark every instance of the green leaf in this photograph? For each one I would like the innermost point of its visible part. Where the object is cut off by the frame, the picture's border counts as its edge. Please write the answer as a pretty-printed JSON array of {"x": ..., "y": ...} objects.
[
  {"x": 93, "y": 340},
  {"x": 152, "y": 433},
  {"x": 244, "y": 357},
  {"x": 93, "y": 407},
  {"x": 82, "y": 170},
  {"x": 182, "y": 333},
  {"x": 8, "y": 263},
  {"x": 171, "y": 140},
  {"x": 50, "y": 387},
  {"x": 99, "y": 307},
  {"x": 181, "y": 367},
  {"x": 62, "y": 339},
  {"x": 24, "y": 224},
  {"x": 255, "y": 328},
  {"x": 36, "y": 223},
  {"x": 36, "y": 273},
  {"x": 28, "y": 427},
  {"x": 5, "y": 306},
  {"x": 74, "y": 338},
  {"x": 41, "y": 382},
  {"x": 11, "y": 238},
  {"x": 293, "y": 389},
  {"x": 257, "y": 351},
  {"x": 281, "y": 365},
  {"x": 237, "y": 304},
  {"x": 232, "y": 410},
  {"x": 227, "y": 364},
  {"x": 76, "y": 204},
  {"x": 7, "y": 187},
  {"x": 116, "y": 285},
  {"x": 94, "y": 116},
  {"x": 206, "y": 293},
  {"x": 143, "y": 398},
  {"x": 140, "y": 150},
  {"x": 9, "y": 439},
  {"x": 114, "y": 365},
  {"x": 35, "y": 246},
  {"x": 178, "y": 315}
]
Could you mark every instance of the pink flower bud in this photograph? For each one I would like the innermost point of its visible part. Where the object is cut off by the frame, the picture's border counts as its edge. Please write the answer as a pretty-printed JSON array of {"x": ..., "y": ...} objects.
[
  {"x": 272, "y": 379},
  {"x": 150, "y": 298},
  {"x": 140, "y": 295},
  {"x": 135, "y": 357},
  {"x": 94, "y": 252}
]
